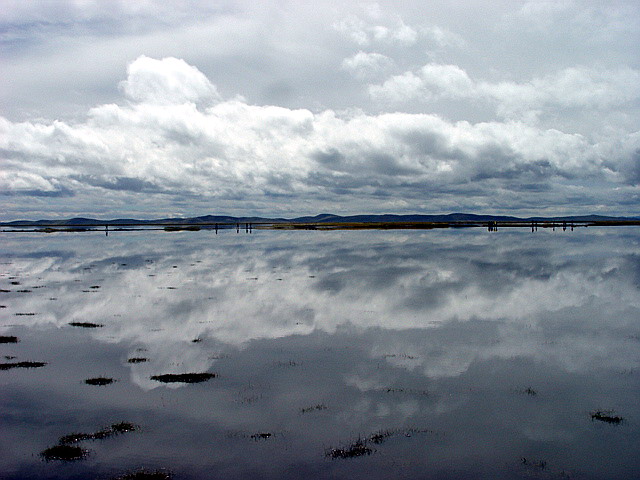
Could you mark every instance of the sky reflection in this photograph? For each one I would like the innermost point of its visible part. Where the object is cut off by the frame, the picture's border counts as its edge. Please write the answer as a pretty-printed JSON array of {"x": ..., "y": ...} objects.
[{"x": 434, "y": 336}]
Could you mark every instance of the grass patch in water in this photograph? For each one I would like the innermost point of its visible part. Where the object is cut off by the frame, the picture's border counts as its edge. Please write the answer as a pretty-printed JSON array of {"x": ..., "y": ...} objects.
[
  {"x": 66, "y": 453},
  {"x": 145, "y": 475},
  {"x": 8, "y": 339},
  {"x": 9, "y": 366},
  {"x": 358, "y": 448},
  {"x": 314, "y": 408},
  {"x": 137, "y": 360},
  {"x": 86, "y": 324},
  {"x": 607, "y": 417},
  {"x": 110, "y": 431},
  {"x": 100, "y": 381},
  {"x": 183, "y": 377}
]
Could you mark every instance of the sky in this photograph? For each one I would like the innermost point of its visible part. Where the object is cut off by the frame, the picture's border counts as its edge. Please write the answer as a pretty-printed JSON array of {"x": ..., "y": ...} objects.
[{"x": 148, "y": 109}]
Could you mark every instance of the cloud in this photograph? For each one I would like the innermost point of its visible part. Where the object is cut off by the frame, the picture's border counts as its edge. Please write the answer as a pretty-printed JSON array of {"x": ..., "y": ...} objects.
[
  {"x": 174, "y": 136},
  {"x": 364, "y": 64},
  {"x": 364, "y": 33},
  {"x": 166, "y": 81},
  {"x": 568, "y": 88}
]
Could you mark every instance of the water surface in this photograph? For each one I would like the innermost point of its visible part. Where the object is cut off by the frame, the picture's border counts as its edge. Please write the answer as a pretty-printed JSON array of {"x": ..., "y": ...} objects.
[{"x": 452, "y": 353}]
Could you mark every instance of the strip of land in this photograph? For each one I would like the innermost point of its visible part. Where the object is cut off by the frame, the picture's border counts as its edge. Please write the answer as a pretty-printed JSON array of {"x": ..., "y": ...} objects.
[{"x": 320, "y": 222}]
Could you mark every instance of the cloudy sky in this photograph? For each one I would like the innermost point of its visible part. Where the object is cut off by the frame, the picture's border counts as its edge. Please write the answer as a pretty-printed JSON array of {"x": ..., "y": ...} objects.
[{"x": 281, "y": 108}]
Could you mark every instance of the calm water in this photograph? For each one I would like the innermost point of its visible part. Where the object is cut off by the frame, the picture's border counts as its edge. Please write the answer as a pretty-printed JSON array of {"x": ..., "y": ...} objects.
[{"x": 434, "y": 354}]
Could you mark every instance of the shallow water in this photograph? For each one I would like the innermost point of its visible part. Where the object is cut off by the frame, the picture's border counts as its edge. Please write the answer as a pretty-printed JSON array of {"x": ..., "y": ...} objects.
[{"x": 453, "y": 353}]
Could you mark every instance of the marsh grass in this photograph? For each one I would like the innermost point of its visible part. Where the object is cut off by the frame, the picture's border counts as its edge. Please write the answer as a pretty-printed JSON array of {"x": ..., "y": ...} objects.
[
  {"x": 361, "y": 446},
  {"x": 99, "y": 381},
  {"x": 314, "y": 408},
  {"x": 9, "y": 366},
  {"x": 137, "y": 360},
  {"x": 606, "y": 416},
  {"x": 86, "y": 324},
  {"x": 8, "y": 339},
  {"x": 66, "y": 453},
  {"x": 145, "y": 475},
  {"x": 110, "y": 431},
  {"x": 183, "y": 377},
  {"x": 358, "y": 448}
]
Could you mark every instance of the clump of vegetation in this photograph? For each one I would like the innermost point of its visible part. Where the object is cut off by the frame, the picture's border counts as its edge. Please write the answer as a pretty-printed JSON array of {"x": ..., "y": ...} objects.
[
  {"x": 528, "y": 391},
  {"x": 261, "y": 436},
  {"x": 362, "y": 447},
  {"x": 100, "y": 381},
  {"x": 380, "y": 436},
  {"x": 137, "y": 360},
  {"x": 110, "y": 431},
  {"x": 9, "y": 366},
  {"x": 358, "y": 448},
  {"x": 183, "y": 377},
  {"x": 407, "y": 390},
  {"x": 86, "y": 324},
  {"x": 146, "y": 475},
  {"x": 25, "y": 314},
  {"x": 399, "y": 355},
  {"x": 606, "y": 416},
  {"x": 288, "y": 363},
  {"x": 67, "y": 453},
  {"x": 318, "y": 407},
  {"x": 8, "y": 339}
]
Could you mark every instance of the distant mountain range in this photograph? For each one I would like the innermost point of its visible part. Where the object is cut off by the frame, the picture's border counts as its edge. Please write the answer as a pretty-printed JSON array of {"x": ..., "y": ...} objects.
[{"x": 321, "y": 218}]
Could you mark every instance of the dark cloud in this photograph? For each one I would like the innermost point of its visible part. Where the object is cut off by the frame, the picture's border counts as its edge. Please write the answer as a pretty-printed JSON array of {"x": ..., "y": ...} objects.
[{"x": 120, "y": 184}]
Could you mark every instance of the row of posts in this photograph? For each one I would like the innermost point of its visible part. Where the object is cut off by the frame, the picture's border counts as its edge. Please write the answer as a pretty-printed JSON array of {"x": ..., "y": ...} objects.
[
  {"x": 248, "y": 228},
  {"x": 493, "y": 226}
]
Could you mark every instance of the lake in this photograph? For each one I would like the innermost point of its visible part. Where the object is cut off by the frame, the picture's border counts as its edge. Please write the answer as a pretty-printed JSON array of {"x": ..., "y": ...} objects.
[{"x": 449, "y": 353}]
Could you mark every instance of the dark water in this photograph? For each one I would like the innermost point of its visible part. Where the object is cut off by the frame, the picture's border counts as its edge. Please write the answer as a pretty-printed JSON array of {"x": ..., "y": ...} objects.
[{"x": 436, "y": 354}]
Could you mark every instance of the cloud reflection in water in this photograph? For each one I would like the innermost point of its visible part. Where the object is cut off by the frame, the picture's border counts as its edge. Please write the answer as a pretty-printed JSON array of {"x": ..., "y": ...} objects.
[{"x": 405, "y": 328}]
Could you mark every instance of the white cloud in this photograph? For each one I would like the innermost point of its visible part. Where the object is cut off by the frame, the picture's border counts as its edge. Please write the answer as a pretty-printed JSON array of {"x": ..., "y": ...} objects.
[
  {"x": 166, "y": 81},
  {"x": 171, "y": 138},
  {"x": 364, "y": 33},
  {"x": 569, "y": 88},
  {"x": 364, "y": 64}
]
